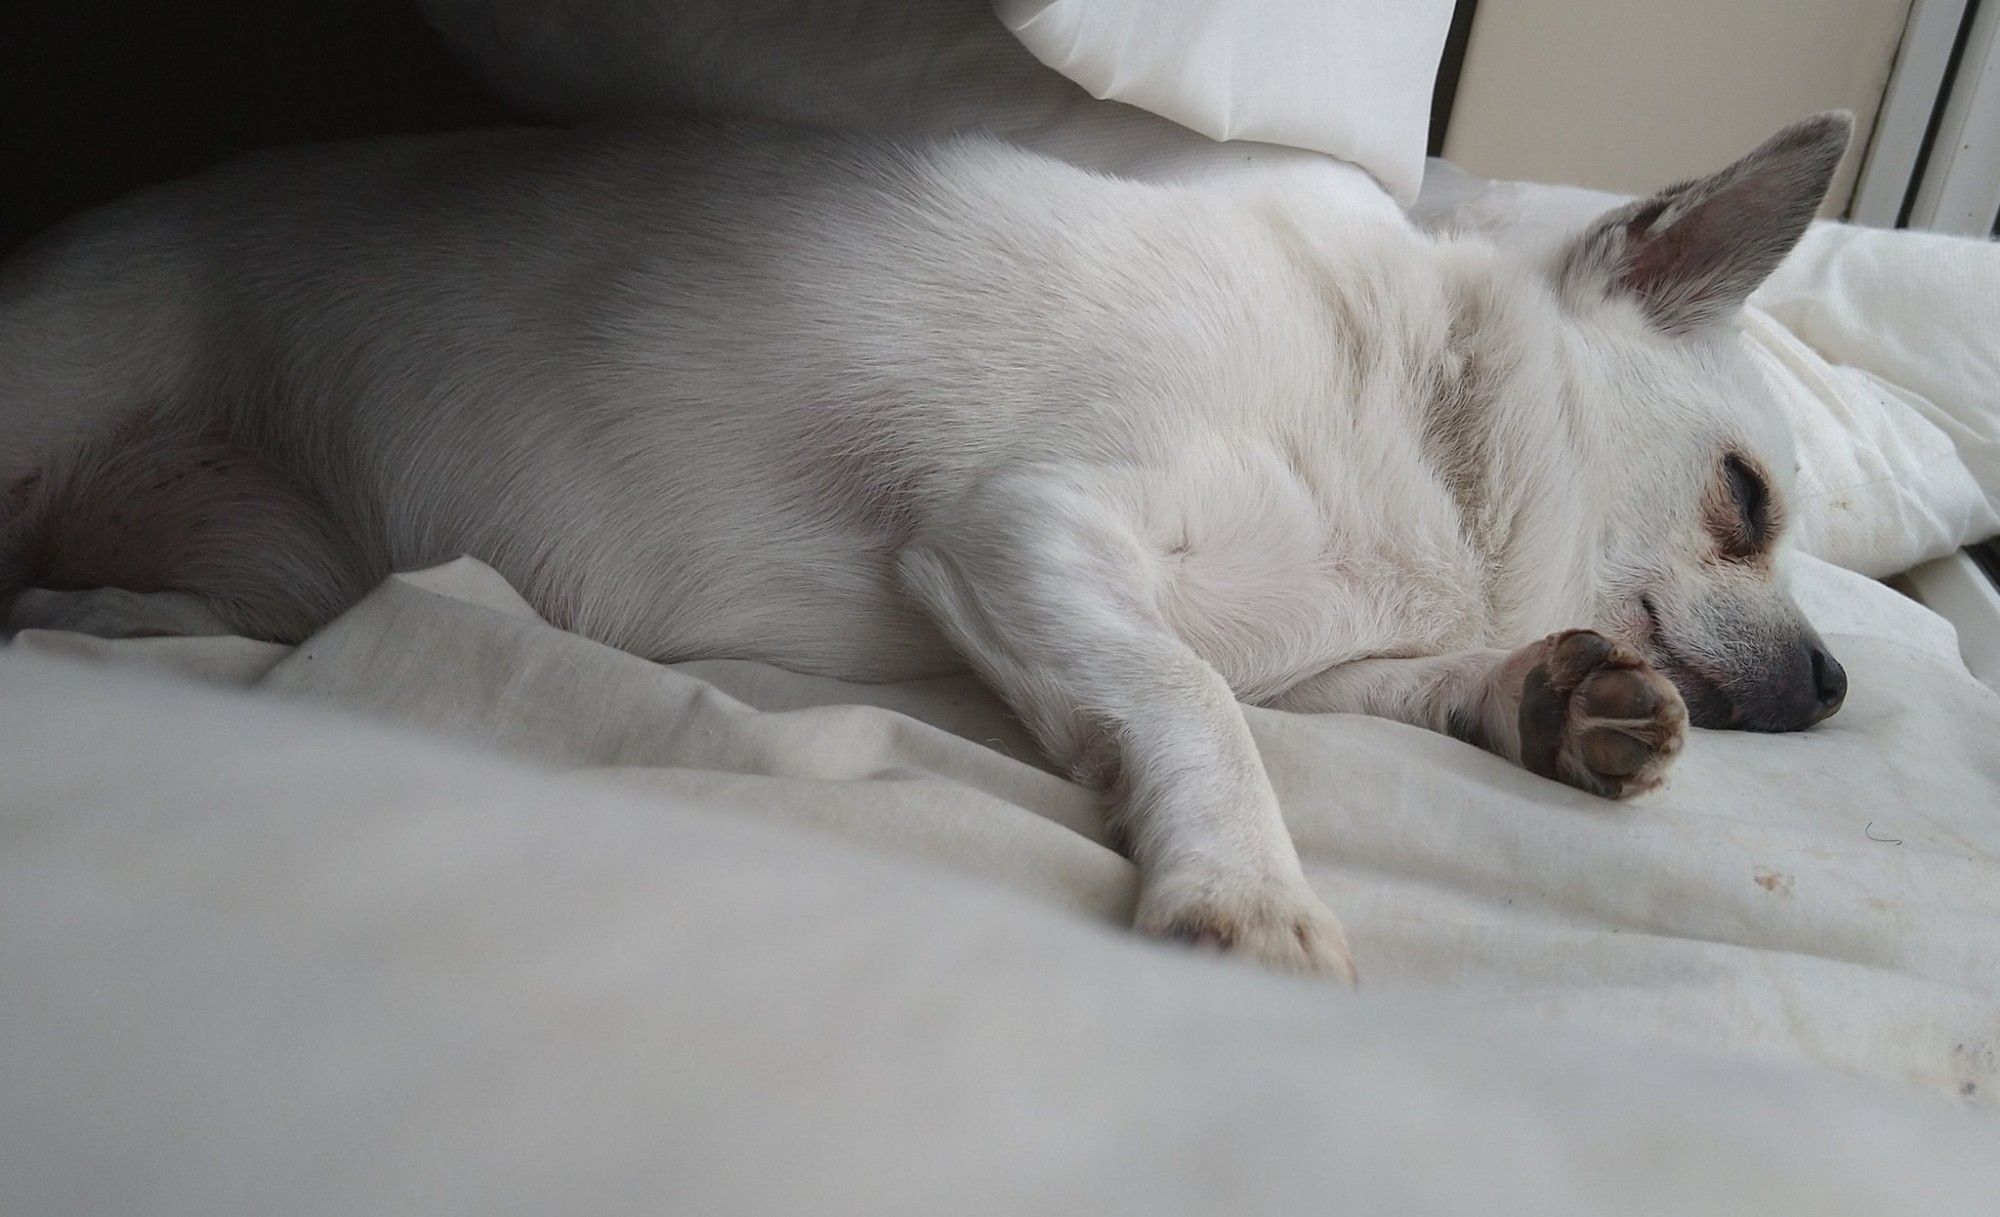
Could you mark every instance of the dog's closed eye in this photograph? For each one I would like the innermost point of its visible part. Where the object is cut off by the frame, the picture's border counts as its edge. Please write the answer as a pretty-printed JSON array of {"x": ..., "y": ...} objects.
[{"x": 1743, "y": 529}]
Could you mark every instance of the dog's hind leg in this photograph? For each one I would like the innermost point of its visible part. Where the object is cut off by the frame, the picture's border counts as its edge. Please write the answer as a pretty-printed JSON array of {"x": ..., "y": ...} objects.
[{"x": 160, "y": 528}]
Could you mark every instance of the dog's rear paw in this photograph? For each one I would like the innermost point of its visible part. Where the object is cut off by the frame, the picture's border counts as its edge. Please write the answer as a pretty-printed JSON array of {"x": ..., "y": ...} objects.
[
  {"x": 1596, "y": 715},
  {"x": 1276, "y": 922}
]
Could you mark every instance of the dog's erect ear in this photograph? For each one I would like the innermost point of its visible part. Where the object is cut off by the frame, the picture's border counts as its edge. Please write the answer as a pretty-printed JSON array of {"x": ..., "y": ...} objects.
[{"x": 1692, "y": 253}]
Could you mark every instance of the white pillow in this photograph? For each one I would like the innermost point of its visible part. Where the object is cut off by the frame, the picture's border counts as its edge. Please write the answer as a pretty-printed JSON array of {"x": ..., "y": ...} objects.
[
  {"x": 1919, "y": 314},
  {"x": 1350, "y": 78},
  {"x": 1345, "y": 78}
]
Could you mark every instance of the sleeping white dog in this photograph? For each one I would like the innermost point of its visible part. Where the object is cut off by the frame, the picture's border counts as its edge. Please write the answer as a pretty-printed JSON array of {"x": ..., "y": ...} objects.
[{"x": 880, "y": 410}]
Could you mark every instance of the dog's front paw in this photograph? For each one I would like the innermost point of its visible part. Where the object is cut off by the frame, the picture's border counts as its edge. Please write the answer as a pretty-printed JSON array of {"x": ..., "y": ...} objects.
[
  {"x": 1596, "y": 715},
  {"x": 1279, "y": 922}
]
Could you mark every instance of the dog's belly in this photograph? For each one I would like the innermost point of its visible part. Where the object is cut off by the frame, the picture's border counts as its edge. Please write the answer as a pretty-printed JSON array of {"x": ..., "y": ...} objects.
[{"x": 688, "y": 570}]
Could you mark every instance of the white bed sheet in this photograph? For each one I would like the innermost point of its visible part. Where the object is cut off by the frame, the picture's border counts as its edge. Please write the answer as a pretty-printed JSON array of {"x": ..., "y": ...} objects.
[
  {"x": 1754, "y": 903},
  {"x": 259, "y": 958}
]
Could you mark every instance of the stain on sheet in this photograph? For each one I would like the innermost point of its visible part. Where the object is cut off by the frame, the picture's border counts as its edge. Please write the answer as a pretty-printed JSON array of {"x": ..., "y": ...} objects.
[{"x": 1777, "y": 882}]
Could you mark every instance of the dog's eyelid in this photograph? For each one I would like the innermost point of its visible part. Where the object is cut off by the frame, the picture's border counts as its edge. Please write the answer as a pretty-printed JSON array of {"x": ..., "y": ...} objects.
[
  {"x": 1746, "y": 484},
  {"x": 1750, "y": 527}
]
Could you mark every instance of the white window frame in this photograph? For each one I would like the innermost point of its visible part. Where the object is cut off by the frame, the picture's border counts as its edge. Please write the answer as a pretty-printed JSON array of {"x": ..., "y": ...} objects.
[
  {"x": 1959, "y": 190},
  {"x": 1904, "y": 118}
]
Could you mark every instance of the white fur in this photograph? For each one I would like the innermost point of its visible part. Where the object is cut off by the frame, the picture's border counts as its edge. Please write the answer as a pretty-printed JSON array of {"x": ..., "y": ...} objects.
[{"x": 1132, "y": 451}]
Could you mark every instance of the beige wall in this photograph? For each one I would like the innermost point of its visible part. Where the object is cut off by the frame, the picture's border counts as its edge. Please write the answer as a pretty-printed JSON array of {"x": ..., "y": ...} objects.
[{"x": 1629, "y": 95}]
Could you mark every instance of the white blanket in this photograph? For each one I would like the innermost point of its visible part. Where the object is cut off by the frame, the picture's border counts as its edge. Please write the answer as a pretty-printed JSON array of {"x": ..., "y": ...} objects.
[{"x": 266, "y": 958}]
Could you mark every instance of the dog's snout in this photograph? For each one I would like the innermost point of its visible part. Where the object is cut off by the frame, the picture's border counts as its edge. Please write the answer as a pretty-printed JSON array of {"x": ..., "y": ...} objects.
[
  {"x": 1829, "y": 683},
  {"x": 1795, "y": 686}
]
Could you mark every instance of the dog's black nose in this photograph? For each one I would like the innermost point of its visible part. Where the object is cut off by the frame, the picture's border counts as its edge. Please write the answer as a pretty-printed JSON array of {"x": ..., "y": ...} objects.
[{"x": 1829, "y": 683}]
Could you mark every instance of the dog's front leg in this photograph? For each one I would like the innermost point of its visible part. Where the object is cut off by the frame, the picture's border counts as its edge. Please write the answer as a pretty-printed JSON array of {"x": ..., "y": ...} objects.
[
  {"x": 1575, "y": 706},
  {"x": 1044, "y": 587}
]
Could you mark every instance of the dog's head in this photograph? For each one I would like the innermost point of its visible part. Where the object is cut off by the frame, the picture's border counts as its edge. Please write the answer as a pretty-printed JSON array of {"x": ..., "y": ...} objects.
[{"x": 1695, "y": 457}]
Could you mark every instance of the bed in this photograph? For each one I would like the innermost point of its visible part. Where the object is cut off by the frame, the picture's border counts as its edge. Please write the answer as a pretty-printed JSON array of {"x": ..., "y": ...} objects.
[{"x": 447, "y": 910}]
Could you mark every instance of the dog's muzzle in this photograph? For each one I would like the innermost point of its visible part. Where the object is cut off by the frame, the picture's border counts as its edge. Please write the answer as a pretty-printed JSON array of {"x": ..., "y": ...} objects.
[{"x": 1801, "y": 685}]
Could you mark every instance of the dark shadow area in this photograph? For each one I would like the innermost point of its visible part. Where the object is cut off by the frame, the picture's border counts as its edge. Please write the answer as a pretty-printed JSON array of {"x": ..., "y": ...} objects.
[
  {"x": 1445, "y": 91},
  {"x": 100, "y": 98}
]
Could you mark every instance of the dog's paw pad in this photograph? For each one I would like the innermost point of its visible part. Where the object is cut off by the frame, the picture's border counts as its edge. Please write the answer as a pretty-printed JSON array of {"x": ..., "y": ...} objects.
[
  {"x": 1596, "y": 715},
  {"x": 1633, "y": 693}
]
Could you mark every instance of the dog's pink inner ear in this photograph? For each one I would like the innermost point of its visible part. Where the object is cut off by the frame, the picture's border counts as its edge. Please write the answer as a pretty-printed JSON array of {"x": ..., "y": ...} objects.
[
  {"x": 1653, "y": 264},
  {"x": 1694, "y": 252},
  {"x": 1703, "y": 264}
]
